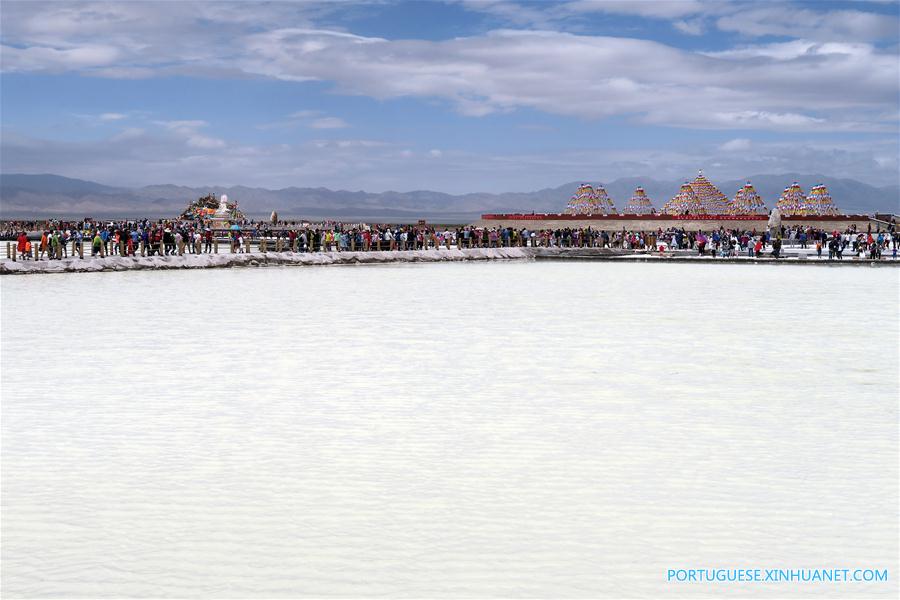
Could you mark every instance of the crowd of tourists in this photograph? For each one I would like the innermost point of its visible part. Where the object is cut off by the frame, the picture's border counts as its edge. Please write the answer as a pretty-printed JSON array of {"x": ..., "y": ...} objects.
[
  {"x": 57, "y": 240},
  {"x": 735, "y": 242}
]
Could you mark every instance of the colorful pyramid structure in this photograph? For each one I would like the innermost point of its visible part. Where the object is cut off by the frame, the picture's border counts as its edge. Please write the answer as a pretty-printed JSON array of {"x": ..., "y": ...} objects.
[
  {"x": 792, "y": 201},
  {"x": 819, "y": 202},
  {"x": 582, "y": 201},
  {"x": 604, "y": 202},
  {"x": 747, "y": 202},
  {"x": 712, "y": 201},
  {"x": 684, "y": 202},
  {"x": 588, "y": 200},
  {"x": 639, "y": 204}
]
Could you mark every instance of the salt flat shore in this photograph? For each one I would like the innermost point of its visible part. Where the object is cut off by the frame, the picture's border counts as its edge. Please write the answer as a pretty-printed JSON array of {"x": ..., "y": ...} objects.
[
  {"x": 256, "y": 259},
  {"x": 264, "y": 259}
]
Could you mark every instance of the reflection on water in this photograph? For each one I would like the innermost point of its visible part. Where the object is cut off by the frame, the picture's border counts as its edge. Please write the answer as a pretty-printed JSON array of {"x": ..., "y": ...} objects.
[{"x": 454, "y": 430}]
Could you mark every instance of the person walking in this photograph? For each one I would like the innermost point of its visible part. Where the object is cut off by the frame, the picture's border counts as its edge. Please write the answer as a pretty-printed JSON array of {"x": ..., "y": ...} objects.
[
  {"x": 97, "y": 244},
  {"x": 22, "y": 244},
  {"x": 55, "y": 252}
]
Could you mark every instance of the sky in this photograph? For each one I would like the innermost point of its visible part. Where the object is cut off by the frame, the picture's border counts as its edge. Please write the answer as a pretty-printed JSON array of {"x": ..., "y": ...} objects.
[{"x": 455, "y": 96}]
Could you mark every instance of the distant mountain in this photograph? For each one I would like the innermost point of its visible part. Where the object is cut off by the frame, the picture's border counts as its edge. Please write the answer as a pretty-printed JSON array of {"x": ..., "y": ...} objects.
[
  {"x": 52, "y": 184},
  {"x": 29, "y": 196}
]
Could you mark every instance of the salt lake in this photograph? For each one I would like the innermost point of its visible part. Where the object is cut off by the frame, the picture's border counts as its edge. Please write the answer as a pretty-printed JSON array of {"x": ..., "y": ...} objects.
[{"x": 503, "y": 429}]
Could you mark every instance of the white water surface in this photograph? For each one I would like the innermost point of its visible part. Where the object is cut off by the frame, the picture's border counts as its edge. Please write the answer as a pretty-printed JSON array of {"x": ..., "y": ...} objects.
[{"x": 512, "y": 429}]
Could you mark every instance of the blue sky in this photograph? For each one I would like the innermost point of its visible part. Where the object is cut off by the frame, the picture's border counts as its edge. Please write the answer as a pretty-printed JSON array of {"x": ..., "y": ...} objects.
[{"x": 455, "y": 96}]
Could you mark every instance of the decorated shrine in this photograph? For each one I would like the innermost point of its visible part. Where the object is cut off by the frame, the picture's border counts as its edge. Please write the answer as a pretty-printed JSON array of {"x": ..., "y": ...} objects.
[
  {"x": 747, "y": 202},
  {"x": 711, "y": 200},
  {"x": 685, "y": 202},
  {"x": 589, "y": 200},
  {"x": 819, "y": 202},
  {"x": 792, "y": 201},
  {"x": 217, "y": 213},
  {"x": 639, "y": 204},
  {"x": 701, "y": 198}
]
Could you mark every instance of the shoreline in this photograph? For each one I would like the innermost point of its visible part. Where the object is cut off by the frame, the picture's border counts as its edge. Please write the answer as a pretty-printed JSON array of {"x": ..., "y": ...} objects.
[
  {"x": 735, "y": 260},
  {"x": 276, "y": 259},
  {"x": 255, "y": 259}
]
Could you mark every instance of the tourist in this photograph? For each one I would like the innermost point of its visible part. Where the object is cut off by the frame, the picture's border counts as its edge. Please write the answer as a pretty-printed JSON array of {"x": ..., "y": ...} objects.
[
  {"x": 43, "y": 247},
  {"x": 97, "y": 244},
  {"x": 22, "y": 245},
  {"x": 169, "y": 237},
  {"x": 55, "y": 252}
]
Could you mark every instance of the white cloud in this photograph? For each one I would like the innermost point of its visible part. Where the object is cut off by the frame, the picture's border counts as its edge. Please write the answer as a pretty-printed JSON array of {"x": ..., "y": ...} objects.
[
  {"x": 768, "y": 87},
  {"x": 793, "y": 50},
  {"x": 328, "y": 123},
  {"x": 751, "y": 19},
  {"x": 571, "y": 15},
  {"x": 124, "y": 72},
  {"x": 514, "y": 13},
  {"x": 129, "y": 133},
  {"x": 799, "y": 85},
  {"x": 749, "y": 119},
  {"x": 348, "y": 144},
  {"x": 182, "y": 125},
  {"x": 736, "y": 145},
  {"x": 435, "y": 153},
  {"x": 834, "y": 78},
  {"x": 40, "y": 58},
  {"x": 304, "y": 114},
  {"x": 660, "y": 9},
  {"x": 833, "y": 25},
  {"x": 690, "y": 27},
  {"x": 202, "y": 141},
  {"x": 112, "y": 116},
  {"x": 313, "y": 119},
  {"x": 188, "y": 131}
]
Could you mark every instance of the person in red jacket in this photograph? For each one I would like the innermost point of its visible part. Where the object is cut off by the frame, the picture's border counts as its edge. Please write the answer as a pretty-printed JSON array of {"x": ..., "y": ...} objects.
[{"x": 21, "y": 244}]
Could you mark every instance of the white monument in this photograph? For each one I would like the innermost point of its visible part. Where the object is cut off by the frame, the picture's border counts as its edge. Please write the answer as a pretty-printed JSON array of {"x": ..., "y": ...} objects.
[
  {"x": 775, "y": 220},
  {"x": 221, "y": 219},
  {"x": 223, "y": 206}
]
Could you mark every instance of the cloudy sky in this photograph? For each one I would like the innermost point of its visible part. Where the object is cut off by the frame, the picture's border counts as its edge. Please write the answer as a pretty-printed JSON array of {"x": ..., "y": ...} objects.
[{"x": 454, "y": 96}]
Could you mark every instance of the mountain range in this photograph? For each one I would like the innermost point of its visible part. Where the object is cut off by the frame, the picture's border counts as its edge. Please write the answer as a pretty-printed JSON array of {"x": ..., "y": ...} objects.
[{"x": 39, "y": 196}]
